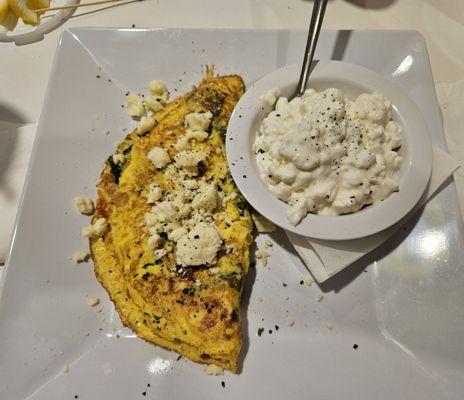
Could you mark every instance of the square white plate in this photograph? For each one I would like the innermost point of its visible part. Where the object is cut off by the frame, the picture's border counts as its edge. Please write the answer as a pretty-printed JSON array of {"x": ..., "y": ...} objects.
[{"x": 405, "y": 311}]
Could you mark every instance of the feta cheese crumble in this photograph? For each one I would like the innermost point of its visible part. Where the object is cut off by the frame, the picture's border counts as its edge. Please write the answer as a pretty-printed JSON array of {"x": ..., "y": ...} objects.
[
  {"x": 325, "y": 154},
  {"x": 97, "y": 229},
  {"x": 159, "y": 157},
  {"x": 262, "y": 256},
  {"x": 84, "y": 205},
  {"x": 212, "y": 369},
  {"x": 145, "y": 124},
  {"x": 119, "y": 158},
  {"x": 135, "y": 105},
  {"x": 199, "y": 246}
]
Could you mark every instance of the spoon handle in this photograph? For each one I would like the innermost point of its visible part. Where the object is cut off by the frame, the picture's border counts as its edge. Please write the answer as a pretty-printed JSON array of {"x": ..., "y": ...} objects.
[{"x": 313, "y": 34}]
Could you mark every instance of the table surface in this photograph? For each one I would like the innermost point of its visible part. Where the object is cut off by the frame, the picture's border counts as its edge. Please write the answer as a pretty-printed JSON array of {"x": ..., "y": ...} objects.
[{"x": 25, "y": 69}]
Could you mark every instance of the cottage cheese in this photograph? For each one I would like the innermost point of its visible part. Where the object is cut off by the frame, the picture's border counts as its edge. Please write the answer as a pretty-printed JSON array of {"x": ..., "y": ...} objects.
[{"x": 324, "y": 154}]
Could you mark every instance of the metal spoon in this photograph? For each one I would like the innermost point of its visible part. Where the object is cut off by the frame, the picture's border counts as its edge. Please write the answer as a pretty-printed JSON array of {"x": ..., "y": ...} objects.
[{"x": 313, "y": 35}]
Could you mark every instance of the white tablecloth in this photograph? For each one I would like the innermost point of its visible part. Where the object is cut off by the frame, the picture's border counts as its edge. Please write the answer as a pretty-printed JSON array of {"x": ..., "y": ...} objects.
[{"x": 24, "y": 70}]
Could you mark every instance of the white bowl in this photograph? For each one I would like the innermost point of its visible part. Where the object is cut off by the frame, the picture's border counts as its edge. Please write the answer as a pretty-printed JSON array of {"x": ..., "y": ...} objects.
[{"x": 353, "y": 80}]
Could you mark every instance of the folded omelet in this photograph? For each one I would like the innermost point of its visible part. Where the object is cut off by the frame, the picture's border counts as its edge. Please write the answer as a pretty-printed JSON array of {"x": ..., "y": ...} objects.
[{"x": 173, "y": 232}]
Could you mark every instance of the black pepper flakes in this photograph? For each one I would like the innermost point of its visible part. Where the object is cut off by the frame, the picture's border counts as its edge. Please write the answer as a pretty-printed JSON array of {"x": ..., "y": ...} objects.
[
  {"x": 355, "y": 346},
  {"x": 223, "y": 384},
  {"x": 260, "y": 331}
]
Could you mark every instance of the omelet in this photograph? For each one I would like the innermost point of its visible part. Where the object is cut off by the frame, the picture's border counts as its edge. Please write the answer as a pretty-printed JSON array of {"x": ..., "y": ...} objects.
[{"x": 172, "y": 232}]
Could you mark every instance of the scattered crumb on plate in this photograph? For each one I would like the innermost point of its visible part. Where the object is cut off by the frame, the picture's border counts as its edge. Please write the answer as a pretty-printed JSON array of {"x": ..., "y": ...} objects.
[
  {"x": 93, "y": 301},
  {"x": 329, "y": 326},
  {"x": 81, "y": 256},
  {"x": 267, "y": 244},
  {"x": 290, "y": 322},
  {"x": 212, "y": 369},
  {"x": 66, "y": 369},
  {"x": 320, "y": 297},
  {"x": 84, "y": 205},
  {"x": 262, "y": 257}
]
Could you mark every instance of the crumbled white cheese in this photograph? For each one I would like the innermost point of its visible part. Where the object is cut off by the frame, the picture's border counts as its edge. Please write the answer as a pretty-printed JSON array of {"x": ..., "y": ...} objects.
[
  {"x": 81, "y": 256},
  {"x": 214, "y": 270},
  {"x": 262, "y": 256},
  {"x": 93, "y": 301},
  {"x": 212, "y": 369},
  {"x": 198, "y": 121},
  {"x": 153, "y": 103},
  {"x": 154, "y": 194},
  {"x": 320, "y": 297},
  {"x": 268, "y": 99},
  {"x": 262, "y": 224},
  {"x": 84, "y": 205},
  {"x": 177, "y": 233},
  {"x": 197, "y": 282},
  {"x": 164, "y": 211},
  {"x": 189, "y": 159},
  {"x": 230, "y": 197},
  {"x": 151, "y": 220},
  {"x": 159, "y": 157},
  {"x": 199, "y": 136},
  {"x": 145, "y": 124},
  {"x": 135, "y": 105},
  {"x": 153, "y": 241},
  {"x": 97, "y": 229},
  {"x": 199, "y": 246},
  {"x": 182, "y": 143},
  {"x": 119, "y": 158},
  {"x": 207, "y": 198},
  {"x": 157, "y": 88}
]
